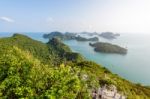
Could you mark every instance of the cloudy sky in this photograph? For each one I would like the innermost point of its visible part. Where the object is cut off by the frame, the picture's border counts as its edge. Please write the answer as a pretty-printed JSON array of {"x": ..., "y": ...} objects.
[{"x": 131, "y": 16}]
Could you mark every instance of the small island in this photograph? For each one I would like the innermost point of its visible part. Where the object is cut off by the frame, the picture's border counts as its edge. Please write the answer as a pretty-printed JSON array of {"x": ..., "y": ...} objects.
[
  {"x": 90, "y": 33},
  {"x": 59, "y": 35},
  {"x": 108, "y": 48},
  {"x": 79, "y": 38},
  {"x": 109, "y": 35}
]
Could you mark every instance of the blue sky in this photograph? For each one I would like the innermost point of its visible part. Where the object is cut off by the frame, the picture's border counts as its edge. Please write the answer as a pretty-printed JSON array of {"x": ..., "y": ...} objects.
[{"x": 74, "y": 15}]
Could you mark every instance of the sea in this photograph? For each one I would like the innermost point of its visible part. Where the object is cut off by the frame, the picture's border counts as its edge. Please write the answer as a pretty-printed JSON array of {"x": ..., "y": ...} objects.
[{"x": 134, "y": 66}]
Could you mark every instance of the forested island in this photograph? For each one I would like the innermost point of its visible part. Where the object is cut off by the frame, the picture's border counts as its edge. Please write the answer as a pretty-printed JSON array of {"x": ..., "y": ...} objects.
[
  {"x": 68, "y": 36},
  {"x": 31, "y": 69},
  {"x": 109, "y": 35},
  {"x": 90, "y": 33},
  {"x": 76, "y": 36},
  {"x": 79, "y": 38},
  {"x": 60, "y": 35},
  {"x": 106, "y": 35},
  {"x": 108, "y": 48}
]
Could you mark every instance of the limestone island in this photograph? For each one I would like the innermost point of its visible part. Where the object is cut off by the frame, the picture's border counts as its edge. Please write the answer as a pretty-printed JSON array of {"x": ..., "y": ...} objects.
[
  {"x": 90, "y": 33},
  {"x": 68, "y": 36},
  {"x": 108, "y": 48},
  {"x": 79, "y": 38},
  {"x": 59, "y": 35},
  {"x": 109, "y": 35}
]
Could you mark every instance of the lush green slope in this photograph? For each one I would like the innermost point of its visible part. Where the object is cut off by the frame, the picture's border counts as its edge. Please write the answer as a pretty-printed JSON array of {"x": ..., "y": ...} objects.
[
  {"x": 102, "y": 76},
  {"x": 31, "y": 69},
  {"x": 47, "y": 53},
  {"x": 23, "y": 76}
]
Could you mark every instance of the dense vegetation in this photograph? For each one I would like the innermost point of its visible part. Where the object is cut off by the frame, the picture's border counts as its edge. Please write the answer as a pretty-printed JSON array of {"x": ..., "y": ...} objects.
[
  {"x": 108, "y": 48},
  {"x": 47, "y": 53},
  {"x": 23, "y": 76},
  {"x": 31, "y": 69}
]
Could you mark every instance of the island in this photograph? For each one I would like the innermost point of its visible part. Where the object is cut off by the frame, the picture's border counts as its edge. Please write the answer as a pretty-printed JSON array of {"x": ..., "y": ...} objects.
[
  {"x": 60, "y": 35},
  {"x": 109, "y": 35},
  {"x": 68, "y": 36},
  {"x": 90, "y": 33},
  {"x": 79, "y": 38},
  {"x": 108, "y": 48}
]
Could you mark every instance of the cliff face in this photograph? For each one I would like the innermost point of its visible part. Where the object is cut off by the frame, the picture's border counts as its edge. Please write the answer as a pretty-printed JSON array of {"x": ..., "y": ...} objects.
[{"x": 32, "y": 69}]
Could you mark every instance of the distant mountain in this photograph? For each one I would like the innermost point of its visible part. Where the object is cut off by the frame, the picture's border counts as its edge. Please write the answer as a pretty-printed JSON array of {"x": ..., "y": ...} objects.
[
  {"x": 106, "y": 35},
  {"x": 109, "y": 35},
  {"x": 90, "y": 33}
]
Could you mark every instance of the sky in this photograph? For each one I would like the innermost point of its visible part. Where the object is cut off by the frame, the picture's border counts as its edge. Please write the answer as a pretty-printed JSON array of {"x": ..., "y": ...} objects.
[{"x": 123, "y": 16}]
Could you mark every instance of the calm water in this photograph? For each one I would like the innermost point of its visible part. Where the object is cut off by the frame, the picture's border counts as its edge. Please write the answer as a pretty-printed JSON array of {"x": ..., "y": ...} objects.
[{"x": 135, "y": 66}]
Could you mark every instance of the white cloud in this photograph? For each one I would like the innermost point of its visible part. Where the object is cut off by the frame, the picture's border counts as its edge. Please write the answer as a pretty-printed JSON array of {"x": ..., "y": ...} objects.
[{"x": 7, "y": 19}]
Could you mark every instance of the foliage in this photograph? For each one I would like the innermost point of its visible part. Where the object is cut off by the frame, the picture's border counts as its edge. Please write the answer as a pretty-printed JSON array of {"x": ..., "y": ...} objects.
[
  {"x": 64, "y": 51},
  {"x": 21, "y": 75},
  {"x": 48, "y": 53},
  {"x": 100, "y": 75},
  {"x": 31, "y": 69}
]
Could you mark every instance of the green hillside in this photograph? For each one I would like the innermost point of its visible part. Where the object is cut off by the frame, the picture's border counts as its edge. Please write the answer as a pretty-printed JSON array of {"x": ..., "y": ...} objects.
[
  {"x": 33, "y": 70},
  {"x": 46, "y": 53}
]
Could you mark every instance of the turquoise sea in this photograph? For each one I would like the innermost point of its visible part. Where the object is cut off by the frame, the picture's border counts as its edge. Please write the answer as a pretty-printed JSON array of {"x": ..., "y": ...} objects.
[{"x": 135, "y": 66}]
